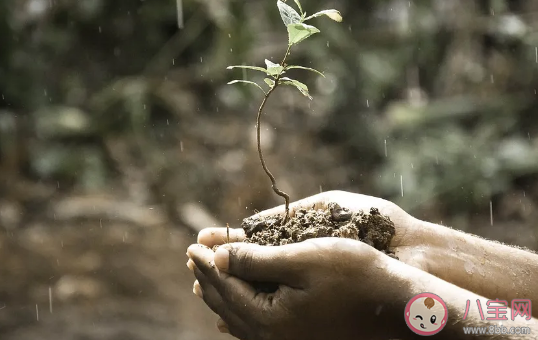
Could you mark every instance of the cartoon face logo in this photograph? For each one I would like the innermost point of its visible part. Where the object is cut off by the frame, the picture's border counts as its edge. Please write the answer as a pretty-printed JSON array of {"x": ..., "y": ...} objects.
[{"x": 426, "y": 314}]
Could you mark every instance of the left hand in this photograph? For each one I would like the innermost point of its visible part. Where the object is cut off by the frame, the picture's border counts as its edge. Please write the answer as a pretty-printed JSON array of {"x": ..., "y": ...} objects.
[{"x": 328, "y": 288}]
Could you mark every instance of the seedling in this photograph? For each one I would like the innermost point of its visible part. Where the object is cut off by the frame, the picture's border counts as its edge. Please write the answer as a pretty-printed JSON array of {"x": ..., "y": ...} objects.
[{"x": 298, "y": 31}]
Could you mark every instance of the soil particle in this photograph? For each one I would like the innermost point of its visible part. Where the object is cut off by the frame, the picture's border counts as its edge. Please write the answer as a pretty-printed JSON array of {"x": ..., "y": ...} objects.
[{"x": 371, "y": 228}]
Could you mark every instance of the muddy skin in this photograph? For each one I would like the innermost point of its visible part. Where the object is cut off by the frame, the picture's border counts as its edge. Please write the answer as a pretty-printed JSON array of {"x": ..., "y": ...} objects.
[{"x": 371, "y": 228}]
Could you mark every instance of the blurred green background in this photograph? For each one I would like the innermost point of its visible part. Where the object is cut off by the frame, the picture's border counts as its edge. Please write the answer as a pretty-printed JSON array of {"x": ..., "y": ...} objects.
[{"x": 119, "y": 139}]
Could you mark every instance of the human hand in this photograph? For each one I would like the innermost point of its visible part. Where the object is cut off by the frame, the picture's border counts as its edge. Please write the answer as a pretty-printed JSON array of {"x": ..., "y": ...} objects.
[
  {"x": 407, "y": 243},
  {"x": 329, "y": 288}
]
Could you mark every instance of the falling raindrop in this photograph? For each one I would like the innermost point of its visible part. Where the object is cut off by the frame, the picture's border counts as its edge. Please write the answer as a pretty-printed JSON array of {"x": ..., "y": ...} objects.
[
  {"x": 181, "y": 146},
  {"x": 50, "y": 300},
  {"x": 179, "y": 8},
  {"x": 167, "y": 122},
  {"x": 491, "y": 78},
  {"x": 367, "y": 103},
  {"x": 536, "y": 54},
  {"x": 239, "y": 201},
  {"x": 385, "y": 148},
  {"x": 100, "y": 30},
  {"x": 401, "y": 184},
  {"x": 491, "y": 212},
  {"x": 37, "y": 312},
  {"x": 201, "y": 59},
  {"x": 327, "y": 43},
  {"x": 173, "y": 61},
  {"x": 320, "y": 189}
]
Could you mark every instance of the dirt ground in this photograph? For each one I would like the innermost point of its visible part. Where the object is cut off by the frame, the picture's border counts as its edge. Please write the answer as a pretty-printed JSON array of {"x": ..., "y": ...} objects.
[{"x": 99, "y": 279}]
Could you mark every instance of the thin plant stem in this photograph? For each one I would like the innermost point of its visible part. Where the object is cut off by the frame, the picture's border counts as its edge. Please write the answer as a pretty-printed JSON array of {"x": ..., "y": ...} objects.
[{"x": 258, "y": 133}]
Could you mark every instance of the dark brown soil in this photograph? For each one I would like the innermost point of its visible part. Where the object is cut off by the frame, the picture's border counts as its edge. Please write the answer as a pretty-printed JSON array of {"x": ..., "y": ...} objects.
[{"x": 371, "y": 228}]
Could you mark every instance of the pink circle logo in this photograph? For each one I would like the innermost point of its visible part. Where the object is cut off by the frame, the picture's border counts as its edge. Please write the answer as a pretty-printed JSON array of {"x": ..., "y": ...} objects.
[{"x": 426, "y": 314}]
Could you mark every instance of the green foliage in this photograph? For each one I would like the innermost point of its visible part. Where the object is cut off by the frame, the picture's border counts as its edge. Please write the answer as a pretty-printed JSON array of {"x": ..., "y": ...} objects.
[
  {"x": 246, "y": 82},
  {"x": 300, "y": 86},
  {"x": 298, "y": 31}
]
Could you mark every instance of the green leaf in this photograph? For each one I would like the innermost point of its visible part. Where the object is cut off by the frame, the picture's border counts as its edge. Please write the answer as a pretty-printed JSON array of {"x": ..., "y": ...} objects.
[
  {"x": 248, "y": 67},
  {"x": 305, "y": 68},
  {"x": 273, "y": 69},
  {"x": 269, "y": 82},
  {"x": 299, "y": 32},
  {"x": 246, "y": 82},
  {"x": 331, "y": 13},
  {"x": 300, "y": 86},
  {"x": 288, "y": 14},
  {"x": 299, "y": 5}
]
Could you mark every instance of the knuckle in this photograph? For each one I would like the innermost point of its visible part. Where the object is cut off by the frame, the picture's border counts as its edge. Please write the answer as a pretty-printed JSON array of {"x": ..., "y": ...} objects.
[{"x": 244, "y": 260}]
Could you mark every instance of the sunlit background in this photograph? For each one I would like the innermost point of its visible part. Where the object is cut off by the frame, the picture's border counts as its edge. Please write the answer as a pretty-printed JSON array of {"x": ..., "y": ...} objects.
[{"x": 119, "y": 140}]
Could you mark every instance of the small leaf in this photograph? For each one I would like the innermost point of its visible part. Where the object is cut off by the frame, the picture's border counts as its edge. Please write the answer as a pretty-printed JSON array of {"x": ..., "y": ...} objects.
[
  {"x": 288, "y": 14},
  {"x": 299, "y": 32},
  {"x": 246, "y": 82},
  {"x": 272, "y": 68},
  {"x": 299, "y": 5},
  {"x": 269, "y": 82},
  {"x": 248, "y": 67},
  {"x": 331, "y": 13},
  {"x": 305, "y": 68},
  {"x": 300, "y": 86}
]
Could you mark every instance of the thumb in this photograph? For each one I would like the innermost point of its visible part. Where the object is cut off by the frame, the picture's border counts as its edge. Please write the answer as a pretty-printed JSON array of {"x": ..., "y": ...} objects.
[{"x": 252, "y": 262}]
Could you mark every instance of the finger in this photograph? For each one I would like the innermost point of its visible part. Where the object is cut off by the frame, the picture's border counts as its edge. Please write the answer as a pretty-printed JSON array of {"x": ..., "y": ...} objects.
[
  {"x": 211, "y": 237},
  {"x": 252, "y": 262},
  {"x": 222, "y": 326},
  {"x": 197, "y": 289},
  {"x": 239, "y": 296},
  {"x": 212, "y": 298}
]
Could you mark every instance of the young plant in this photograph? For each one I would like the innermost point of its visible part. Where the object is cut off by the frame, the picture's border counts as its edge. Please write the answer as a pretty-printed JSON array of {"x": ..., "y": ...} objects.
[{"x": 298, "y": 31}]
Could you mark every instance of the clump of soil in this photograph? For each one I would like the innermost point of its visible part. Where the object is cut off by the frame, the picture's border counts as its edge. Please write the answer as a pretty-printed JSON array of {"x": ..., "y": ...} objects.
[{"x": 373, "y": 229}]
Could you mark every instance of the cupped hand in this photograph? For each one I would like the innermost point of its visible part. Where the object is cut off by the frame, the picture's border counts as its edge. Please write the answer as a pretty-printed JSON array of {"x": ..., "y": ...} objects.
[
  {"x": 329, "y": 288},
  {"x": 408, "y": 243}
]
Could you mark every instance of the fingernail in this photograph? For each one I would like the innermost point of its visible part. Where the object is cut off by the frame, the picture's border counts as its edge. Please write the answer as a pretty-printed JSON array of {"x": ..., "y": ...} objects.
[
  {"x": 222, "y": 258},
  {"x": 190, "y": 264},
  {"x": 197, "y": 290},
  {"x": 222, "y": 326}
]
